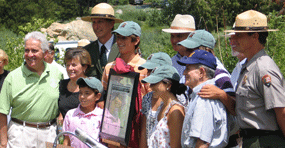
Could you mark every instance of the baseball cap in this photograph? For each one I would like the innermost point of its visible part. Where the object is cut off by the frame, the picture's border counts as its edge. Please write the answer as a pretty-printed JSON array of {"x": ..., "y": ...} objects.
[
  {"x": 200, "y": 57},
  {"x": 155, "y": 60},
  {"x": 92, "y": 82},
  {"x": 199, "y": 38},
  {"x": 160, "y": 73},
  {"x": 128, "y": 28}
]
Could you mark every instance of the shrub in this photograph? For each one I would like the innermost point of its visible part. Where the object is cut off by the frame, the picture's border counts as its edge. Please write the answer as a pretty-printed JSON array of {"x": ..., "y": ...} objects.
[{"x": 12, "y": 44}]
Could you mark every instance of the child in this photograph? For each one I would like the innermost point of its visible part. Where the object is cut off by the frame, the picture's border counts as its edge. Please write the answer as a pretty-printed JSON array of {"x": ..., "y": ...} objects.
[{"x": 88, "y": 115}]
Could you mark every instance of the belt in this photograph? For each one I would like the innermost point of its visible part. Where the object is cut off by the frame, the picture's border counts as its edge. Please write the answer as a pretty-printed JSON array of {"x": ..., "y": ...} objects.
[
  {"x": 35, "y": 124},
  {"x": 248, "y": 133}
]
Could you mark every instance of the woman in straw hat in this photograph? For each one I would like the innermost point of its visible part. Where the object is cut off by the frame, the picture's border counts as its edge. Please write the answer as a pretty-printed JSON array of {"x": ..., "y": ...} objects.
[
  {"x": 260, "y": 97},
  {"x": 102, "y": 50}
]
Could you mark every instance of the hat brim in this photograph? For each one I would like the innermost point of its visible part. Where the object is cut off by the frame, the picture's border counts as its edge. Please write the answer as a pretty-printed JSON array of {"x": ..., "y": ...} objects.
[
  {"x": 151, "y": 79},
  {"x": 189, "y": 44},
  {"x": 176, "y": 31},
  {"x": 148, "y": 65},
  {"x": 184, "y": 62},
  {"x": 89, "y": 18},
  {"x": 266, "y": 30},
  {"x": 122, "y": 32}
]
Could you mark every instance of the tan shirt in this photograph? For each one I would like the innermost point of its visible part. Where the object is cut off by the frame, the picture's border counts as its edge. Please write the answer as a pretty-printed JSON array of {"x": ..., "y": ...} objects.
[
  {"x": 260, "y": 89},
  {"x": 135, "y": 63}
]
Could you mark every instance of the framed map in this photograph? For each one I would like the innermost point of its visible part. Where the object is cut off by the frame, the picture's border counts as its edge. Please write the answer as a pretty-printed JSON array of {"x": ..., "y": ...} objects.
[{"x": 119, "y": 107}]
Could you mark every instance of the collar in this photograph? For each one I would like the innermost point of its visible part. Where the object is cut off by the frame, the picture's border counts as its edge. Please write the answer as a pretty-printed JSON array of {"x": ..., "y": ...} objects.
[
  {"x": 178, "y": 55},
  {"x": 27, "y": 72},
  {"x": 96, "y": 112},
  {"x": 135, "y": 60},
  {"x": 108, "y": 44},
  {"x": 197, "y": 88},
  {"x": 248, "y": 64}
]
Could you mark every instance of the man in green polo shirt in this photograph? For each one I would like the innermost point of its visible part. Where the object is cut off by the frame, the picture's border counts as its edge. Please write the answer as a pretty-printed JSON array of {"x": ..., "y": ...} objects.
[{"x": 32, "y": 92}]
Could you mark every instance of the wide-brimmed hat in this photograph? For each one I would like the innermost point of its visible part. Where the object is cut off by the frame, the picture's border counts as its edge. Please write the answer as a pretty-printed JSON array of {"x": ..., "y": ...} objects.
[
  {"x": 200, "y": 57},
  {"x": 182, "y": 24},
  {"x": 251, "y": 21},
  {"x": 102, "y": 10},
  {"x": 156, "y": 60},
  {"x": 128, "y": 28},
  {"x": 199, "y": 38},
  {"x": 92, "y": 82},
  {"x": 160, "y": 73}
]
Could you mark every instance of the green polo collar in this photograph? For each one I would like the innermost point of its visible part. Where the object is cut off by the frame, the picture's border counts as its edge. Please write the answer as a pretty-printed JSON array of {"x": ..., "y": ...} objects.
[{"x": 27, "y": 72}]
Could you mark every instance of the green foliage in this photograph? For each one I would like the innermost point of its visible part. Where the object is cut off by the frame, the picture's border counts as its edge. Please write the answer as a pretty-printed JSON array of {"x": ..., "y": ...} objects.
[
  {"x": 13, "y": 45},
  {"x": 154, "y": 40},
  {"x": 118, "y": 2},
  {"x": 35, "y": 25},
  {"x": 209, "y": 14},
  {"x": 275, "y": 42}
]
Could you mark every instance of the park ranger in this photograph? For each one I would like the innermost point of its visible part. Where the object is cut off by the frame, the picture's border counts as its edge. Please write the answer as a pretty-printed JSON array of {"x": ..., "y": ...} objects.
[{"x": 260, "y": 93}]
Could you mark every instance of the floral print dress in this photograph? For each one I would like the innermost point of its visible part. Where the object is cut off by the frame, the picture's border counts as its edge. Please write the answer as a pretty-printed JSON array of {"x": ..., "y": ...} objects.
[
  {"x": 160, "y": 138},
  {"x": 151, "y": 116}
]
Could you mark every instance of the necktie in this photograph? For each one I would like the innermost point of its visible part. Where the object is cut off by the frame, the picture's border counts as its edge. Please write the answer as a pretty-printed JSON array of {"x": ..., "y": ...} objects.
[{"x": 103, "y": 56}]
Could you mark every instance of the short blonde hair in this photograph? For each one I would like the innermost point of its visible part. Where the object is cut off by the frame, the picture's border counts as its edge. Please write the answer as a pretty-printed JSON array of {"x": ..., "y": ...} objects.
[{"x": 4, "y": 57}]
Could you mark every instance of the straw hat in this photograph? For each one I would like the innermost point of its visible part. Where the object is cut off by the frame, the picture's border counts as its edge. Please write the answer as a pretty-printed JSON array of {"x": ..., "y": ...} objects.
[
  {"x": 83, "y": 42},
  {"x": 251, "y": 21},
  {"x": 102, "y": 10},
  {"x": 181, "y": 24}
]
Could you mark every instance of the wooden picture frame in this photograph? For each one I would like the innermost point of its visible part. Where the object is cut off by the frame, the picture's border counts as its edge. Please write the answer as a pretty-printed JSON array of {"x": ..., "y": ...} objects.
[{"x": 119, "y": 107}]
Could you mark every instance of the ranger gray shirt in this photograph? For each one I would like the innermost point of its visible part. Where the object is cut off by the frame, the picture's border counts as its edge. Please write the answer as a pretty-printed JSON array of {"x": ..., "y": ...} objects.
[{"x": 260, "y": 88}]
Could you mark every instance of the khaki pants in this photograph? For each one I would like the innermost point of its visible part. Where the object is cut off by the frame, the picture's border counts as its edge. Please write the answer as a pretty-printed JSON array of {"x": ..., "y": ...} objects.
[{"x": 20, "y": 136}]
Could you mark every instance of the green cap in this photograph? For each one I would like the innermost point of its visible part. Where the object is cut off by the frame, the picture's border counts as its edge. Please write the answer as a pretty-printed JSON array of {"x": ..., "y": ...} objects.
[
  {"x": 199, "y": 38},
  {"x": 160, "y": 73},
  {"x": 128, "y": 28},
  {"x": 92, "y": 82},
  {"x": 155, "y": 60}
]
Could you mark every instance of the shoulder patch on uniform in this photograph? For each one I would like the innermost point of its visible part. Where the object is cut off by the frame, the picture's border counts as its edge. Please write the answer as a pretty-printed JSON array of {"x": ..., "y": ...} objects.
[{"x": 266, "y": 80}]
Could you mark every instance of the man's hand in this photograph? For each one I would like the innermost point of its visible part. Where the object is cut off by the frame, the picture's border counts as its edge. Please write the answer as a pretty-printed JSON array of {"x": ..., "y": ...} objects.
[{"x": 210, "y": 91}]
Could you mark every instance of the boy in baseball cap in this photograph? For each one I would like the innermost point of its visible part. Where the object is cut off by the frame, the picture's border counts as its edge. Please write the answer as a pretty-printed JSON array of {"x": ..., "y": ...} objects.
[{"x": 90, "y": 90}]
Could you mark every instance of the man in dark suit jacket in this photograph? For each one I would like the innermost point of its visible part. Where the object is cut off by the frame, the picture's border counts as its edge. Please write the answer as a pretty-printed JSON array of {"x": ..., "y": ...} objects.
[{"x": 104, "y": 49}]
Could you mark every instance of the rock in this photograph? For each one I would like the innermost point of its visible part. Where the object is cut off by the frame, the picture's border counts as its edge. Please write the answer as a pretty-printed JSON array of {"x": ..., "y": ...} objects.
[
  {"x": 119, "y": 11},
  {"x": 74, "y": 30}
]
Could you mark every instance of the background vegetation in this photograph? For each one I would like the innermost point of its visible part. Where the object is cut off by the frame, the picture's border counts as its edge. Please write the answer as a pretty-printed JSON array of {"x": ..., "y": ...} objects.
[{"x": 21, "y": 17}]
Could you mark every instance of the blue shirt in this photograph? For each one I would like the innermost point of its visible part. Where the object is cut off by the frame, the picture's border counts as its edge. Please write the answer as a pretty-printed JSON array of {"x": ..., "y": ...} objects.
[
  {"x": 205, "y": 119},
  {"x": 178, "y": 67}
]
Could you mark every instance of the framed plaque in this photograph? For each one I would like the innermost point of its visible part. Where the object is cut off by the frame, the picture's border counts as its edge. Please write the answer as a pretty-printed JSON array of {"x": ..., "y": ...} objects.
[{"x": 119, "y": 107}]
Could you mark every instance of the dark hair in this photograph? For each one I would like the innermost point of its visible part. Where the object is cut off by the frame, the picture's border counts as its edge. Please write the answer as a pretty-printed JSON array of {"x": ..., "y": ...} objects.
[
  {"x": 262, "y": 36},
  {"x": 50, "y": 46},
  {"x": 134, "y": 39},
  {"x": 85, "y": 85},
  {"x": 176, "y": 87},
  {"x": 80, "y": 53}
]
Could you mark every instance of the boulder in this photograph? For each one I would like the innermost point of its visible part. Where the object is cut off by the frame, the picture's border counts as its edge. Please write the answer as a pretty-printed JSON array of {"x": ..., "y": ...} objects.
[{"x": 74, "y": 30}]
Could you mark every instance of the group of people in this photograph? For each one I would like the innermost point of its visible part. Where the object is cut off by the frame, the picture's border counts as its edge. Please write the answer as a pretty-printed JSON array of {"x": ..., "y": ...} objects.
[{"x": 189, "y": 100}]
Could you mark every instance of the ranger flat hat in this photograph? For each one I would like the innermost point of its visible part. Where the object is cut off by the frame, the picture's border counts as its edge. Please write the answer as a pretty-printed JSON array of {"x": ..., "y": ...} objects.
[
  {"x": 251, "y": 21},
  {"x": 102, "y": 10},
  {"x": 182, "y": 24}
]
